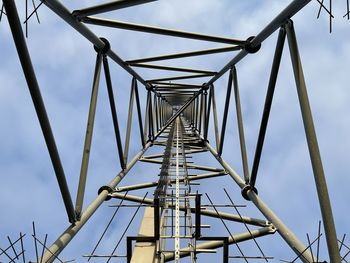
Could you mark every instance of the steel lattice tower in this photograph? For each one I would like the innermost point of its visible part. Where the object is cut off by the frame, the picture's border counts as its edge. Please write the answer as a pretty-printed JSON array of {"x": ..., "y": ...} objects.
[{"x": 177, "y": 119}]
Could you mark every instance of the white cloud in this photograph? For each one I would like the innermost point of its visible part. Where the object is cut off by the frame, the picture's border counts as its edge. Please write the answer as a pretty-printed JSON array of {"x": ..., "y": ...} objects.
[{"x": 64, "y": 63}]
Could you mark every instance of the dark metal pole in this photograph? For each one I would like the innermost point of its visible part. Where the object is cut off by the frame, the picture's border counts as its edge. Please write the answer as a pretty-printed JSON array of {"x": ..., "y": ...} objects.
[
  {"x": 201, "y": 113},
  {"x": 268, "y": 103},
  {"x": 38, "y": 102},
  {"x": 150, "y": 118},
  {"x": 139, "y": 114},
  {"x": 114, "y": 112},
  {"x": 224, "y": 120},
  {"x": 196, "y": 113},
  {"x": 88, "y": 137},
  {"x": 320, "y": 180}
]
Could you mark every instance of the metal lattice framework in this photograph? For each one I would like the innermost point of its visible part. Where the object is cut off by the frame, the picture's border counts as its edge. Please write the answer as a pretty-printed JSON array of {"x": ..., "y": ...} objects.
[{"x": 178, "y": 112}]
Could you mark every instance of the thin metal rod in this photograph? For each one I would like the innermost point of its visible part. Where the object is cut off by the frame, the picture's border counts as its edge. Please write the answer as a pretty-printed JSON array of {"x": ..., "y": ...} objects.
[
  {"x": 151, "y": 66},
  {"x": 145, "y": 128},
  {"x": 114, "y": 112},
  {"x": 217, "y": 244},
  {"x": 26, "y": 17},
  {"x": 12, "y": 246},
  {"x": 158, "y": 30},
  {"x": 128, "y": 126},
  {"x": 293, "y": 8},
  {"x": 110, "y": 6},
  {"x": 38, "y": 102},
  {"x": 282, "y": 229},
  {"x": 320, "y": 180},
  {"x": 88, "y": 138},
  {"x": 185, "y": 54},
  {"x": 138, "y": 107},
  {"x": 224, "y": 120},
  {"x": 64, "y": 239},
  {"x": 240, "y": 127},
  {"x": 48, "y": 250},
  {"x": 66, "y": 15},
  {"x": 43, "y": 249},
  {"x": 34, "y": 12},
  {"x": 108, "y": 225},
  {"x": 228, "y": 230},
  {"x": 245, "y": 224},
  {"x": 268, "y": 102},
  {"x": 127, "y": 227},
  {"x": 22, "y": 247},
  {"x": 35, "y": 243},
  {"x": 7, "y": 255}
]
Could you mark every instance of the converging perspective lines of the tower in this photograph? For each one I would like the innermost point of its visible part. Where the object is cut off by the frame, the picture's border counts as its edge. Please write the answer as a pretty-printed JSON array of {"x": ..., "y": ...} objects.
[{"x": 191, "y": 184}]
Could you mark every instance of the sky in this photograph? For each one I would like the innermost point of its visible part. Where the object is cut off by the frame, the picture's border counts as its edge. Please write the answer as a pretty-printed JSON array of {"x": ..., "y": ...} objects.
[{"x": 64, "y": 64}]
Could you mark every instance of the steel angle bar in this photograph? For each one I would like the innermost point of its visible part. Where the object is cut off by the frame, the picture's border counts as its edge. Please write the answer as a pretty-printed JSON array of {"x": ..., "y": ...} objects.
[
  {"x": 206, "y": 212},
  {"x": 215, "y": 117},
  {"x": 39, "y": 105},
  {"x": 226, "y": 109},
  {"x": 160, "y": 31},
  {"x": 145, "y": 127},
  {"x": 296, "y": 245},
  {"x": 240, "y": 126},
  {"x": 185, "y": 54},
  {"x": 110, "y": 6},
  {"x": 315, "y": 156},
  {"x": 138, "y": 107},
  {"x": 63, "y": 240},
  {"x": 267, "y": 106},
  {"x": 293, "y": 8},
  {"x": 207, "y": 115},
  {"x": 128, "y": 127},
  {"x": 194, "y": 76},
  {"x": 161, "y": 67},
  {"x": 114, "y": 112},
  {"x": 88, "y": 138},
  {"x": 155, "y": 101},
  {"x": 58, "y": 8}
]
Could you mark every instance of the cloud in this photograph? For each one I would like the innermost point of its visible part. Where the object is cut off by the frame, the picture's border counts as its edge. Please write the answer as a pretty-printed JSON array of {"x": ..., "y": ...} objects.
[{"x": 64, "y": 64}]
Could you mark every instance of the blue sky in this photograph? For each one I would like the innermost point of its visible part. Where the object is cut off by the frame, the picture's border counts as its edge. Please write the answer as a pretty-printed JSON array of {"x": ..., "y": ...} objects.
[{"x": 64, "y": 63}]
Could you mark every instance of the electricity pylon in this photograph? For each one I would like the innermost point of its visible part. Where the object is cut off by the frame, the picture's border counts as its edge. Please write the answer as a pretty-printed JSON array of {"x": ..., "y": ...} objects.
[{"x": 177, "y": 117}]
